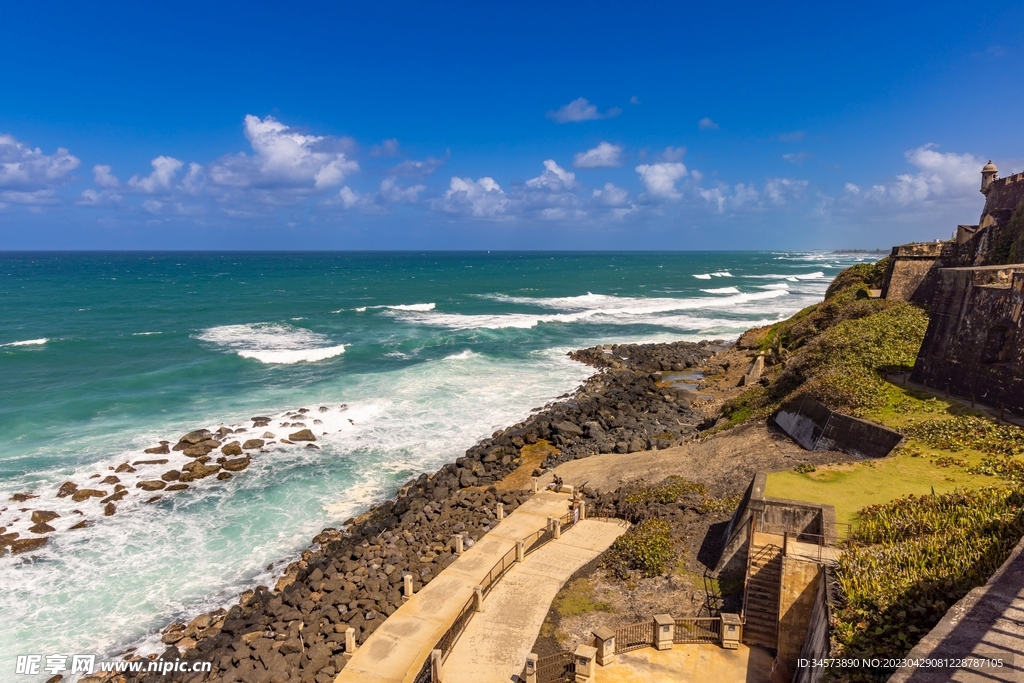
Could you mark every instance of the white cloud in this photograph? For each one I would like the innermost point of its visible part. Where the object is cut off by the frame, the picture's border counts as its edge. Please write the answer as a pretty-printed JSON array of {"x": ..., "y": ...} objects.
[
  {"x": 781, "y": 190},
  {"x": 941, "y": 176},
  {"x": 162, "y": 177},
  {"x": 414, "y": 167},
  {"x": 153, "y": 206},
  {"x": 482, "y": 198},
  {"x": 611, "y": 195},
  {"x": 284, "y": 158},
  {"x": 103, "y": 177},
  {"x": 580, "y": 109},
  {"x": 605, "y": 155},
  {"x": 673, "y": 153},
  {"x": 634, "y": 100},
  {"x": 391, "y": 192},
  {"x": 851, "y": 188},
  {"x": 349, "y": 197},
  {"x": 25, "y": 169},
  {"x": 554, "y": 178},
  {"x": 660, "y": 179},
  {"x": 797, "y": 157},
  {"x": 387, "y": 148},
  {"x": 707, "y": 124}
]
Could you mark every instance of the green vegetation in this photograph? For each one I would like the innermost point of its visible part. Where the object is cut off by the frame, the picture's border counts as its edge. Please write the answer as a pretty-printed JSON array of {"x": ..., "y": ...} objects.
[
  {"x": 646, "y": 547},
  {"x": 668, "y": 491},
  {"x": 911, "y": 559},
  {"x": 578, "y": 597},
  {"x": 867, "y": 275}
]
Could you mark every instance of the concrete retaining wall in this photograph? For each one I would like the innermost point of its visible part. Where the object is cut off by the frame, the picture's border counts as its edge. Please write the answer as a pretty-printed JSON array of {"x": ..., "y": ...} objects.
[
  {"x": 816, "y": 427},
  {"x": 816, "y": 642}
]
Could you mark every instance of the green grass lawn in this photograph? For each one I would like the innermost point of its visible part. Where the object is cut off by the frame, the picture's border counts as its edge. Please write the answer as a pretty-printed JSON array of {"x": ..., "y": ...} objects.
[{"x": 914, "y": 469}]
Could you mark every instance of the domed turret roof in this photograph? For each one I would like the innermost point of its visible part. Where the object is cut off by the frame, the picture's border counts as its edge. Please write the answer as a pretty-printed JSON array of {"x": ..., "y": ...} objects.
[{"x": 989, "y": 167}]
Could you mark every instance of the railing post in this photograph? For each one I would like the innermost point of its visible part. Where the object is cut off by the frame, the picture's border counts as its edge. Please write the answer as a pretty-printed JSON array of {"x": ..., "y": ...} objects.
[
  {"x": 520, "y": 551},
  {"x": 350, "y": 640},
  {"x": 556, "y": 529},
  {"x": 535, "y": 484},
  {"x": 435, "y": 666},
  {"x": 664, "y": 631},
  {"x": 501, "y": 511},
  {"x": 531, "y": 668},
  {"x": 584, "y": 657},
  {"x": 583, "y": 510},
  {"x": 478, "y": 598},
  {"x": 604, "y": 640},
  {"x": 458, "y": 544},
  {"x": 407, "y": 585},
  {"x": 732, "y": 631}
]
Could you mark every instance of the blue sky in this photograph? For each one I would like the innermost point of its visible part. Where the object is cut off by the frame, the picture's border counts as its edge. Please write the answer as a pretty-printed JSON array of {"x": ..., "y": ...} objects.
[{"x": 397, "y": 125}]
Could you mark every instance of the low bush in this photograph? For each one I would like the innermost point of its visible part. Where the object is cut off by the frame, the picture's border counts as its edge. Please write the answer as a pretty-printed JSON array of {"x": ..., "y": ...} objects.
[{"x": 647, "y": 547}]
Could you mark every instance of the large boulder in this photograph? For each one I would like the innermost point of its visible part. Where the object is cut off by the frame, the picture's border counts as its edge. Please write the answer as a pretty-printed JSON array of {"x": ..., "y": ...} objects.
[
  {"x": 566, "y": 428},
  {"x": 151, "y": 485},
  {"x": 253, "y": 443},
  {"x": 85, "y": 494},
  {"x": 162, "y": 449},
  {"x": 43, "y": 516},
  {"x": 236, "y": 465},
  {"x": 66, "y": 489},
  {"x": 233, "y": 448},
  {"x": 197, "y": 470},
  {"x": 302, "y": 435},
  {"x": 25, "y": 545},
  {"x": 41, "y": 528},
  {"x": 197, "y": 436}
]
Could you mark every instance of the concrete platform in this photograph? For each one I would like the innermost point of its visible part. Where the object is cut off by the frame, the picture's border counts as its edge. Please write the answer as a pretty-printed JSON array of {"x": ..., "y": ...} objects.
[
  {"x": 696, "y": 663},
  {"x": 495, "y": 644},
  {"x": 395, "y": 652}
]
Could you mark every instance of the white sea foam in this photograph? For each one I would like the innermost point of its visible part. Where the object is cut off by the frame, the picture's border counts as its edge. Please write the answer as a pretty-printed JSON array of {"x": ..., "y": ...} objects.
[
  {"x": 722, "y": 290},
  {"x": 817, "y": 275},
  {"x": 27, "y": 342},
  {"x": 461, "y": 356},
  {"x": 411, "y": 307},
  {"x": 144, "y": 334},
  {"x": 273, "y": 343},
  {"x": 722, "y": 273},
  {"x": 588, "y": 308},
  {"x": 780, "y": 285},
  {"x": 703, "y": 276}
]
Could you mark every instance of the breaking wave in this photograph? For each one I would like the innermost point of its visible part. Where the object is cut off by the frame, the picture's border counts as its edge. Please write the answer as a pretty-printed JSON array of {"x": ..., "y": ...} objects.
[{"x": 273, "y": 343}]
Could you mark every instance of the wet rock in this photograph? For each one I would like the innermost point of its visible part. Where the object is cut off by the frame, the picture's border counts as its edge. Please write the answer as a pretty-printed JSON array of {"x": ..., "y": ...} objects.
[
  {"x": 197, "y": 470},
  {"x": 254, "y": 443},
  {"x": 109, "y": 510},
  {"x": 324, "y": 409},
  {"x": 286, "y": 441},
  {"x": 176, "y": 487},
  {"x": 302, "y": 435},
  {"x": 236, "y": 465},
  {"x": 66, "y": 489},
  {"x": 122, "y": 468},
  {"x": 22, "y": 497},
  {"x": 151, "y": 485},
  {"x": 115, "y": 496},
  {"x": 233, "y": 448},
  {"x": 267, "y": 435},
  {"x": 7, "y": 539},
  {"x": 153, "y": 499},
  {"x": 162, "y": 461},
  {"x": 567, "y": 428},
  {"x": 171, "y": 475},
  {"x": 25, "y": 545},
  {"x": 196, "y": 436},
  {"x": 260, "y": 419},
  {"x": 312, "y": 445},
  {"x": 86, "y": 494},
  {"x": 223, "y": 475},
  {"x": 162, "y": 449},
  {"x": 43, "y": 516},
  {"x": 41, "y": 528},
  {"x": 81, "y": 525},
  {"x": 110, "y": 480}
]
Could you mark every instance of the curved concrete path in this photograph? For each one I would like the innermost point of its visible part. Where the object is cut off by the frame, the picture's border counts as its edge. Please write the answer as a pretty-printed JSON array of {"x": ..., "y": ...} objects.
[
  {"x": 395, "y": 652},
  {"x": 494, "y": 646}
]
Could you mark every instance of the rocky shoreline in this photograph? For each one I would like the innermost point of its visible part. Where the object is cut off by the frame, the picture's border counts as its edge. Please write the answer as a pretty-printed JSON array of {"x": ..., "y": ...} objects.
[{"x": 352, "y": 577}]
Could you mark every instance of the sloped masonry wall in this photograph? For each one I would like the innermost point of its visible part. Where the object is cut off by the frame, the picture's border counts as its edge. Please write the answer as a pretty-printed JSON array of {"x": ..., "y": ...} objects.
[
  {"x": 816, "y": 643},
  {"x": 974, "y": 346},
  {"x": 816, "y": 427}
]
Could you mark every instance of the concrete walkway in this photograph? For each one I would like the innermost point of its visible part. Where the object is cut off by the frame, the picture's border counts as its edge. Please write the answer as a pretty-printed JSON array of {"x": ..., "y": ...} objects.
[
  {"x": 396, "y": 651},
  {"x": 494, "y": 646},
  {"x": 694, "y": 663}
]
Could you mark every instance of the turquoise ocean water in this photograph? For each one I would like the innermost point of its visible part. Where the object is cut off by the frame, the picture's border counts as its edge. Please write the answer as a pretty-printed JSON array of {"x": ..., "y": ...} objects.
[{"x": 102, "y": 355}]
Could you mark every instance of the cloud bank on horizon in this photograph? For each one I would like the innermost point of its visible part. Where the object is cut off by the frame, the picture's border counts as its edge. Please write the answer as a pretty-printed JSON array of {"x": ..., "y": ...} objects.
[
  {"x": 284, "y": 167},
  {"x": 543, "y": 127}
]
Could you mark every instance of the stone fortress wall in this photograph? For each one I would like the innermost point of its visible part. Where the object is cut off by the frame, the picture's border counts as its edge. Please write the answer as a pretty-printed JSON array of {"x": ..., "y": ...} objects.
[{"x": 974, "y": 346}]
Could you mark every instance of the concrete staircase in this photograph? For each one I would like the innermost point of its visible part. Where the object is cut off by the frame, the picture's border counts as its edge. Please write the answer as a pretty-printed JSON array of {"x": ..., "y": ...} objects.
[{"x": 761, "y": 600}]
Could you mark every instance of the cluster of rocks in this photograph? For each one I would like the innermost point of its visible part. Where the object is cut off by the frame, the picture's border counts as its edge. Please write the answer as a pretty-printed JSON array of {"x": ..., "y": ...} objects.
[
  {"x": 351, "y": 578},
  {"x": 212, "y": 453}
]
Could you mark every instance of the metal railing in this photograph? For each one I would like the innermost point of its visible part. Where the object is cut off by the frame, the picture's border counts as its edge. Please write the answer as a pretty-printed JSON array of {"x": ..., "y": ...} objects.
[
  {"x": 698, "y": 630},
  {"x": 507, "y": 561},
  {"x": 556, "y": 668},
  {"x": 634, "y": 636}
]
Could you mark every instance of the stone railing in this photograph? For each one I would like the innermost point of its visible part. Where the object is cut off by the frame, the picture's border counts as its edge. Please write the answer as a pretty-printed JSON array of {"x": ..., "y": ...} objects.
[
  {"x": 431, "y": 670},
  {"x": 661, "y": 632}
]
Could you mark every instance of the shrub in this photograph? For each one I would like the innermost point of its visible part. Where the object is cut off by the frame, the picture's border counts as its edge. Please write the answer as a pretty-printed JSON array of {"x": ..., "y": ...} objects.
[{"x": 647, "y": 547}]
